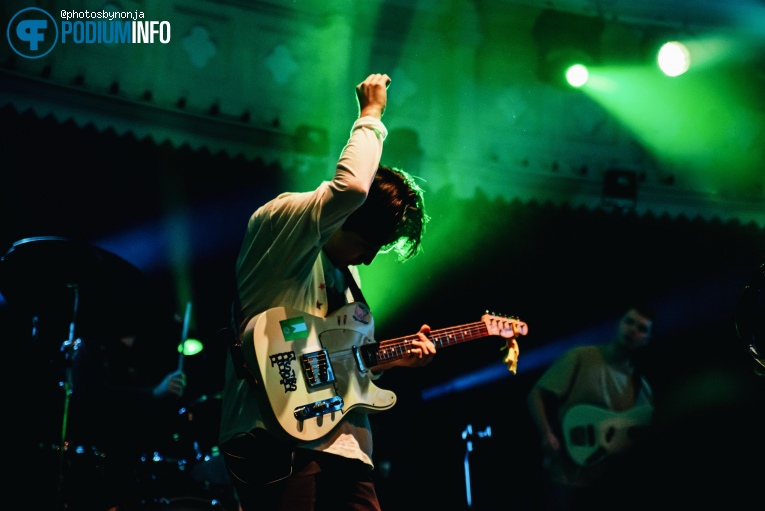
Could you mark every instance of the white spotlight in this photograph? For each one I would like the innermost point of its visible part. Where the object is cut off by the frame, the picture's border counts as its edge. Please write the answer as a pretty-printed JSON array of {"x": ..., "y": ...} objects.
[{"x": 674, "y": 58}]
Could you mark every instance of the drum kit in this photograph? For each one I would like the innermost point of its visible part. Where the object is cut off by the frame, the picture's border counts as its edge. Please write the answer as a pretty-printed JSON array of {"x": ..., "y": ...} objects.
[{"x": 57, "y": 284}]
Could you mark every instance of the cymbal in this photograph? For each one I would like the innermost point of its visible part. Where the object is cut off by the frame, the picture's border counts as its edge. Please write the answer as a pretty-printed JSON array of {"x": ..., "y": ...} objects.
[{"x": 45, "y": 269}]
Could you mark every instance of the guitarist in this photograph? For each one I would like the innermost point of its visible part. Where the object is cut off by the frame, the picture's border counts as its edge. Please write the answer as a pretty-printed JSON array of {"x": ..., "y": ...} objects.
[
  {"x": 300, "y": 250},
  {"x": 602, "y": 375}
]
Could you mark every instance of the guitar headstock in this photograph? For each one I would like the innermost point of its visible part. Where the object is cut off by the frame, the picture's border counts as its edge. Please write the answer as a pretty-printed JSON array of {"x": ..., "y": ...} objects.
[{"x": 509, "y": 328}]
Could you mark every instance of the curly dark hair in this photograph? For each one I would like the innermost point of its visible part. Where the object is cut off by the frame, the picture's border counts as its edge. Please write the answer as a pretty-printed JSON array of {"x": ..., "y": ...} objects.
[{"x": 393, "y": 214}]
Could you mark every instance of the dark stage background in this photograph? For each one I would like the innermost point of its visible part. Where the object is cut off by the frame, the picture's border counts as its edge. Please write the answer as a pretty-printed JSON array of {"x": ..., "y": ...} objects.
[{"x": 566, "y": 272}]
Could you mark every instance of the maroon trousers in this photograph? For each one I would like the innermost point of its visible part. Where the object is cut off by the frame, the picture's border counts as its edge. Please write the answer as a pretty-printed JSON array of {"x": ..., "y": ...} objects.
[{"x": 316, "y": 482}]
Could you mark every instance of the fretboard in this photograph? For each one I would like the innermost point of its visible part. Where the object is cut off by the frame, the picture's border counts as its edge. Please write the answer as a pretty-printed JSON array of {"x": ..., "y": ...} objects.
[{"x": 394, "y": 349}]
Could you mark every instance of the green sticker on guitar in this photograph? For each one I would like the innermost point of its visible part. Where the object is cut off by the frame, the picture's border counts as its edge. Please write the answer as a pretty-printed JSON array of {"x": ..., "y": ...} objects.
[{"x": 294, "y": 328}]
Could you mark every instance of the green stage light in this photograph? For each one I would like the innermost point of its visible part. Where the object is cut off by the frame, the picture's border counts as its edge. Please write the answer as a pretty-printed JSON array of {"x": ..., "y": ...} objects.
[
  {"x": 674, "y": 58},
  {"x": 577, "y": 75},
  {"x": 563, "y": 40},
  {"x": 190, "y": 347}
]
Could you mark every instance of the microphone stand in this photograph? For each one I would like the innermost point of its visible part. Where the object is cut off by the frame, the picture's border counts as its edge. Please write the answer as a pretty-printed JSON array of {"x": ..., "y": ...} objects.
[{"x": 467, "y": 436}]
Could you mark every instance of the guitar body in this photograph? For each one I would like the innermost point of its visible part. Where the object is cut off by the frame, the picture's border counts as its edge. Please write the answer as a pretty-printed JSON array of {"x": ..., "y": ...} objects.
[
  {"x": 592, "y": 433},
  {"x": 311, "y": 369}
]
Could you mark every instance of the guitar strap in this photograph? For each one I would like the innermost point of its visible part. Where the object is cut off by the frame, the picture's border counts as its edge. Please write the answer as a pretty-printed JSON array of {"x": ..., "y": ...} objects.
[
  {"x": 641, "y": 386},
  {"x": 234, "y": 341},
  {"x": 338, "y": 297},
  {"x": 358, "y": 296}
]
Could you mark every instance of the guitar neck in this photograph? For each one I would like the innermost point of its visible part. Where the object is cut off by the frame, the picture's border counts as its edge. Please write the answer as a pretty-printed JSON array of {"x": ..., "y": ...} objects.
[{"x": 394, "y": 349}]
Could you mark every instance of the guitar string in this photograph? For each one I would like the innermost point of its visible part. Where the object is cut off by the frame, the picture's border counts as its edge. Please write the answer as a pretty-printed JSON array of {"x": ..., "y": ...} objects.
[{"x": 449, "y": 332}]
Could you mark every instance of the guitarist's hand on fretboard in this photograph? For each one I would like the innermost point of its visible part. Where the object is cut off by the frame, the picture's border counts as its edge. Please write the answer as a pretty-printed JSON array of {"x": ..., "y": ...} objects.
[{"x": 419, "y": 352}]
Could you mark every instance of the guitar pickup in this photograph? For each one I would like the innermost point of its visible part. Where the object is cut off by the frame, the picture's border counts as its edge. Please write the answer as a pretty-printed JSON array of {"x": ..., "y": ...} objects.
[
  {"x": 319, "y": 408},
  {"x": 582, "y": 435},
  {"x": 317, "y": 368}
]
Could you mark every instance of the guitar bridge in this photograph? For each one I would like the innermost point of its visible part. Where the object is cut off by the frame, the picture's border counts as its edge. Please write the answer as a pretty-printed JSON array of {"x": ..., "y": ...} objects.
[
  {"x": 317, "y": 369},
  {"x": 319, "y": 408}
]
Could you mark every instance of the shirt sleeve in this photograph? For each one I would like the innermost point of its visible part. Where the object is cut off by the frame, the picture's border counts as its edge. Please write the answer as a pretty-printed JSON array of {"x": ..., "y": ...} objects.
[
  {"x": 558, "y": 377},
  {"x": 355, "y": 171}
]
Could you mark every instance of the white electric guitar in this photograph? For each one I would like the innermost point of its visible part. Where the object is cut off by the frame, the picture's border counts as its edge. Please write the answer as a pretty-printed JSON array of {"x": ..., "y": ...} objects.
[
  {"x": 315, "y": 370},
  {"x": 592, "y": 433}
]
